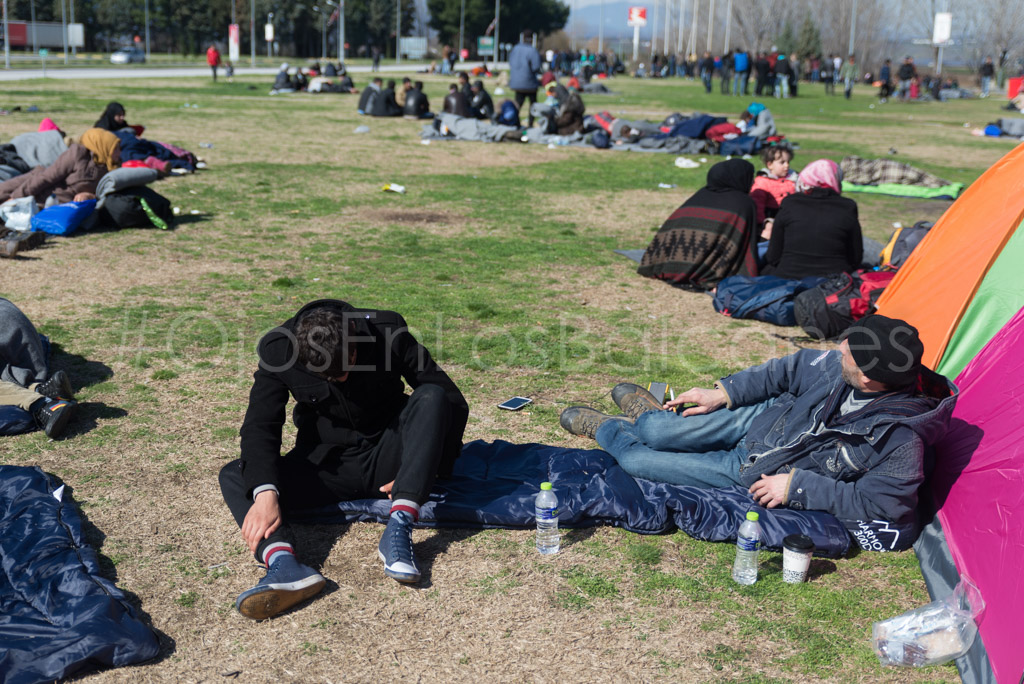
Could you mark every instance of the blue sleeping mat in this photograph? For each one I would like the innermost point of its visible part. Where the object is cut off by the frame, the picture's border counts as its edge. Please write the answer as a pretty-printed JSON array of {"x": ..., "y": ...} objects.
[
  {"x": 58, "y": 617},
  {"x": 494, "y": 485}
]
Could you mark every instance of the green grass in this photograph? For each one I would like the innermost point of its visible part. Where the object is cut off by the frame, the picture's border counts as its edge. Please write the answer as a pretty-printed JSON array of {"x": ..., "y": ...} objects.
[{"x": 500, "y": 258}]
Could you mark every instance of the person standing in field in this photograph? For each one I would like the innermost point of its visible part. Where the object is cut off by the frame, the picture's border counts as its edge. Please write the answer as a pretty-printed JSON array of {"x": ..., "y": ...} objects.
[{"x": 213, "y": 59}]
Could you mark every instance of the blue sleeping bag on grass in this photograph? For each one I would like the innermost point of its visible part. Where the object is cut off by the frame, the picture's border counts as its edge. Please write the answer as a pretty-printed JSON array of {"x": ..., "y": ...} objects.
[
  {"x": 495, "y": 484},
  {"x": 763, "y": 298},
  {"x": 58, "y": 616}
]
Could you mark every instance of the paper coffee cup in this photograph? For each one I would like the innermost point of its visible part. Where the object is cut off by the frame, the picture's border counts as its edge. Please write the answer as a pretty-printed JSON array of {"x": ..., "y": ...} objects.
[{"x": 797, "y": 550}]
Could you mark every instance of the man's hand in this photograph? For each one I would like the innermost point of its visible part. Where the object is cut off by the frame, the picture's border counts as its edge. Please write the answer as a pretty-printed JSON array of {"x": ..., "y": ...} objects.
[
  {"x": 83, "y": 196},
  {"x": 706, "y": 400},
  {"x": 262, "y": 519},
  {"x": 386, "y": 489},
  {"x": 770, "y": 490}
]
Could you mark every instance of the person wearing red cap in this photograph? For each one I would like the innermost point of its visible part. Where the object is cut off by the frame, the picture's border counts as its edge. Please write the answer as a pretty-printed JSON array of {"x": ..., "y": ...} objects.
[{"x": 842, "y": 431}]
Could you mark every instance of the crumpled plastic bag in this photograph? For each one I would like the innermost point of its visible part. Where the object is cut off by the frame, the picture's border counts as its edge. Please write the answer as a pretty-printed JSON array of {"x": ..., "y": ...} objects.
[
  {"x": 17, "y": 213},
  {"x": 932, "y": 634}
]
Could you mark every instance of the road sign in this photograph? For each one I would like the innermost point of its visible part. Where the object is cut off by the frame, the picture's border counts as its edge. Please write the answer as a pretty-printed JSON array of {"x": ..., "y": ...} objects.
[
  {"x": 943, "y": 28},
  {"x": 637, "y": 16},
  {"x": 43, "y": 52},
  {"x": 485, "y": 45}
]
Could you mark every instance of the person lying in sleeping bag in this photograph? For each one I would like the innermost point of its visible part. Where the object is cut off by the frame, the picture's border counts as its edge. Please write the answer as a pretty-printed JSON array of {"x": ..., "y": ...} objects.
[
  {"x": 842, "y": 431},
  {"x": 359, "y": 436},
  {"x": 75, "y": 174}
]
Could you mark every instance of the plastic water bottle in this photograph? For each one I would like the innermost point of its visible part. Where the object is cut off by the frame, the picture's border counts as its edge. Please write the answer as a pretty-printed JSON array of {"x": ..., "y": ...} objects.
[
  {"x": 546, "y": 511},
  {"x": 748, "y": 541}
]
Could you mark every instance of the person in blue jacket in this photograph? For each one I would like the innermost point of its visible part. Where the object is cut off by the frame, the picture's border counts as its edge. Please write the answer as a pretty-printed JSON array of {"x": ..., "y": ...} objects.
[
  {"x": 741, "y": 68},
  {"x": 842, "y": 431},
  {"x": 523, "y": 66}
]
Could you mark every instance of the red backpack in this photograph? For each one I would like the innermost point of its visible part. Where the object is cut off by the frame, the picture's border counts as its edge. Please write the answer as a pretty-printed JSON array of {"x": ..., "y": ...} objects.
[{"x": 827, "y": 310}]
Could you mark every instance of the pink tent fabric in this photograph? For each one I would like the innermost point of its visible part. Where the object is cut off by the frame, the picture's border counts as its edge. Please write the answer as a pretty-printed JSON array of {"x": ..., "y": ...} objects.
[{"x": 979, "y": 489}]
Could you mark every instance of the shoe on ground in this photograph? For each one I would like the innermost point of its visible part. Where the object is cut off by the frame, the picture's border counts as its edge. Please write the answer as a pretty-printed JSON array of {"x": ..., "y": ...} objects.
[
  {"x": 53, "y": 415},
  {"x": 286, "y": 583},
  {"x": 584, "y": 421},
  {"x": 57, "y": 387},
  {"x": 20, "y": 241},
  {"x": 395, "y": 549},
  {"x": 634, "y": 400},
  {"x": 154, "y": 218}
]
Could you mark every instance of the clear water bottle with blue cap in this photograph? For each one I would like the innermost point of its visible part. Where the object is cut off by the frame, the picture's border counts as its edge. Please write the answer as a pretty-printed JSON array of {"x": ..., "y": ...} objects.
[{"x": 546, "y": 511}]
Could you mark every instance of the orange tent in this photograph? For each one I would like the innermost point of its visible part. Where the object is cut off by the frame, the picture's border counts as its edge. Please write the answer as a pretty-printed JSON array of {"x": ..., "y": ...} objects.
[{"x": 937, "y": 283}]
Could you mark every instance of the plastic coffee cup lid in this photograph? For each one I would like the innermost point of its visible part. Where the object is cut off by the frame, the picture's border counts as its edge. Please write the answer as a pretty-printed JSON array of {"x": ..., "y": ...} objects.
[{"x": 798, "y": 542}]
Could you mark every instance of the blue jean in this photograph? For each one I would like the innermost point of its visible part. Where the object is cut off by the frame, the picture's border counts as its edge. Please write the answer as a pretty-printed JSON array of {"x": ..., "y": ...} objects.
[
  {"x": 705, "y": 76},
  {"x": 738, "y": 78},
  {"x": 701, "y": 451},
  {"x": 986, "y": 85}
]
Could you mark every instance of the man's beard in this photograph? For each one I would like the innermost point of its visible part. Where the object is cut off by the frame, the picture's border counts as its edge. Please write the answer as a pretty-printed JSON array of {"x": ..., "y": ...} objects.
[{"x": 851, "y": 377}]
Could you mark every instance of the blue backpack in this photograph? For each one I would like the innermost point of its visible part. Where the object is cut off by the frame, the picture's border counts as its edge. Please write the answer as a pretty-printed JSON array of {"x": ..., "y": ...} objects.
[
  {"x": 764, "y": 298},
  {"x": 508, "y": 115}
]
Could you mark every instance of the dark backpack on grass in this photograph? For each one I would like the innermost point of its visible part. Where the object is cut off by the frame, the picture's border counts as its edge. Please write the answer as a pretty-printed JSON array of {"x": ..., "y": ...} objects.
[
  {"x": 827, "y": 310},
  {"x": 903, "y": 242},
  {"x": 124, "y": 209}
]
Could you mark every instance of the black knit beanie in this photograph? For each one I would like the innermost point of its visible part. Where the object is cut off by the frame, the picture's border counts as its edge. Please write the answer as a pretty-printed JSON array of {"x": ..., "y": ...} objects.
[{"x": 886, "y": 350}]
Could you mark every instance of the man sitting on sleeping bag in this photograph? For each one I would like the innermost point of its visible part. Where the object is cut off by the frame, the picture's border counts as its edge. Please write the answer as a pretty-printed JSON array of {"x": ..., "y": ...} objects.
[
  {"x": 840, "y": 431},
  {"x": 359, "y": 436}
]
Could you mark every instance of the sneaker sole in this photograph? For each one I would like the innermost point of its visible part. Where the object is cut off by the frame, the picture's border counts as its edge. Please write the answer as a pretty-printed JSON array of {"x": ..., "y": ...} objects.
[
  {"x": 404, "y": 577},
  {"x": 278, "y": 598}
]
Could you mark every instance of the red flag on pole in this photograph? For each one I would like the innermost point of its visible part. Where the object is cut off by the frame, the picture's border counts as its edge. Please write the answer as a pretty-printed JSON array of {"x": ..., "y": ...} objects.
[{"x": 490, "y": 28}]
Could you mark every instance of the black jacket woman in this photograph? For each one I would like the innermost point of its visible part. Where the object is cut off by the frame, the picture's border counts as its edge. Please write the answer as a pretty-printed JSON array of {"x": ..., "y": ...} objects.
[{"x": 816, "y": 231}]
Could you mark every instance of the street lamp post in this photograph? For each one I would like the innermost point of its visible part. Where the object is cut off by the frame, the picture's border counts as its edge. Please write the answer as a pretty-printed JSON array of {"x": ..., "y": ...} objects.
[
  {"x": 252, "y": 33},
  {"x": 63, "y": 28},
  {"x": 398, "y": 31},
  {"x": 270, "y": 43},
  {"x": 147, "y": 30}
]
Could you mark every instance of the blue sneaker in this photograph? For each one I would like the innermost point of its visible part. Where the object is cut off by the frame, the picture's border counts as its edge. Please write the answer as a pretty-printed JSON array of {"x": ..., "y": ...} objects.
[
  {"x": 395, "y": 549},
  {"x": 286, "y": 583}
]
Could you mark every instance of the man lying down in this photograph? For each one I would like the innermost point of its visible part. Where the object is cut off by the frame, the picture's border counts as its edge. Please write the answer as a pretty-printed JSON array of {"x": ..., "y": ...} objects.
[{"x": 841, "y": 431}]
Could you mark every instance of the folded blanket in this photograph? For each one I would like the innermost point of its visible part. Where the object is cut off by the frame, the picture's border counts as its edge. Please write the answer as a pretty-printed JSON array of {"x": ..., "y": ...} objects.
[{"x": 879, "y": 171}]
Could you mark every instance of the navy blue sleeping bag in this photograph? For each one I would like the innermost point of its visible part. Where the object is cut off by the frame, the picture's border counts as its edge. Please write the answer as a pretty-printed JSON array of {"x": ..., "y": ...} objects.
[
  {"x": 58, "y": 617},
  {"x": 764, "y": 298},
  {"x": 494, "y": 485}
]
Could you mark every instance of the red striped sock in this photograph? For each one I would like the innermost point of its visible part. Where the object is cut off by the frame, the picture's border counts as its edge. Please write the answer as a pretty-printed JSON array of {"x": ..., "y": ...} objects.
[
  {"x": 406, "y": 505},
  {"x": 275, "y": 551}
]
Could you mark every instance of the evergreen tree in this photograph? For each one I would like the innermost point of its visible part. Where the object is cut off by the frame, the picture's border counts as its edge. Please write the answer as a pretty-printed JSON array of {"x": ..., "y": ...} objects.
[
  {"x": 808, "y": 42},
  {"x": 786, "y": 43},
  {"x": 540, "y": 16}
]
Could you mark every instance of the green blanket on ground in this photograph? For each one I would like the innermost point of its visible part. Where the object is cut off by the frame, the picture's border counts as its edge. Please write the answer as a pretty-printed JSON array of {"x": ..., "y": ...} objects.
[{"x": 951, "y": 191}]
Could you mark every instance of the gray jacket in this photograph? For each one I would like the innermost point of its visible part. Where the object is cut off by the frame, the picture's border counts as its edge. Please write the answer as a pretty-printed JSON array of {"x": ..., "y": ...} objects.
[
  {"x": 39, "y": 149},
  {"x": 867, "y": 465},
  {"x": 523, "y": 66}
]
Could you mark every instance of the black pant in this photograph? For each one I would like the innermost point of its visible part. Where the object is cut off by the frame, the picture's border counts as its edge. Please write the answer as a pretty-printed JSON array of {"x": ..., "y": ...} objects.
[
  {"x": 409, "y": 452},
  {"x": 522, "y": 96},
  {"x": 213, "y": 67},
  {"x": 762, "y": 81}
]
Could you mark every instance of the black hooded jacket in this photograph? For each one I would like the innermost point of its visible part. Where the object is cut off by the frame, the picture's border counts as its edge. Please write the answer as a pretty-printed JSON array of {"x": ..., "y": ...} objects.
[
  {"x": 335, "y": 417},
  {"x": 712, "y": 235},
  {"x": 106, "y": 120}
]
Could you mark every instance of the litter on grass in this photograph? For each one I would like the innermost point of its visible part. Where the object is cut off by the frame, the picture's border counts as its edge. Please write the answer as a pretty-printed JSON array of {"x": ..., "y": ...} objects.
[
  {"x": 394, "y": 187},
  {"x": 362, "y": 129},
  {"x": 684, "y": 163}
]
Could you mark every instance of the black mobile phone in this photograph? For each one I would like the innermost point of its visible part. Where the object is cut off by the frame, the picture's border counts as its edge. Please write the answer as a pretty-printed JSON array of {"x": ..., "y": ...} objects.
[{"x": 515, "y": 403}]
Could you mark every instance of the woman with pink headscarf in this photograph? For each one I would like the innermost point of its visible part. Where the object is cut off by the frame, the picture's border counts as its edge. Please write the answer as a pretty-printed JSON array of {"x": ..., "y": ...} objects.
[{"x": 816, "y": 231}]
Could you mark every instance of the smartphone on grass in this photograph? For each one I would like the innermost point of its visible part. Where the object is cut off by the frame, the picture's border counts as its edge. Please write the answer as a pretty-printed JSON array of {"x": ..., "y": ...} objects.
[{"x": 515, "y": 403}]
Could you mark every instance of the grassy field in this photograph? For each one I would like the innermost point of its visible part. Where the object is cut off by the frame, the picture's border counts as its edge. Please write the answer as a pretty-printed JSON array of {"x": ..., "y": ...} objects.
[{"x": 500, "y": 256}]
